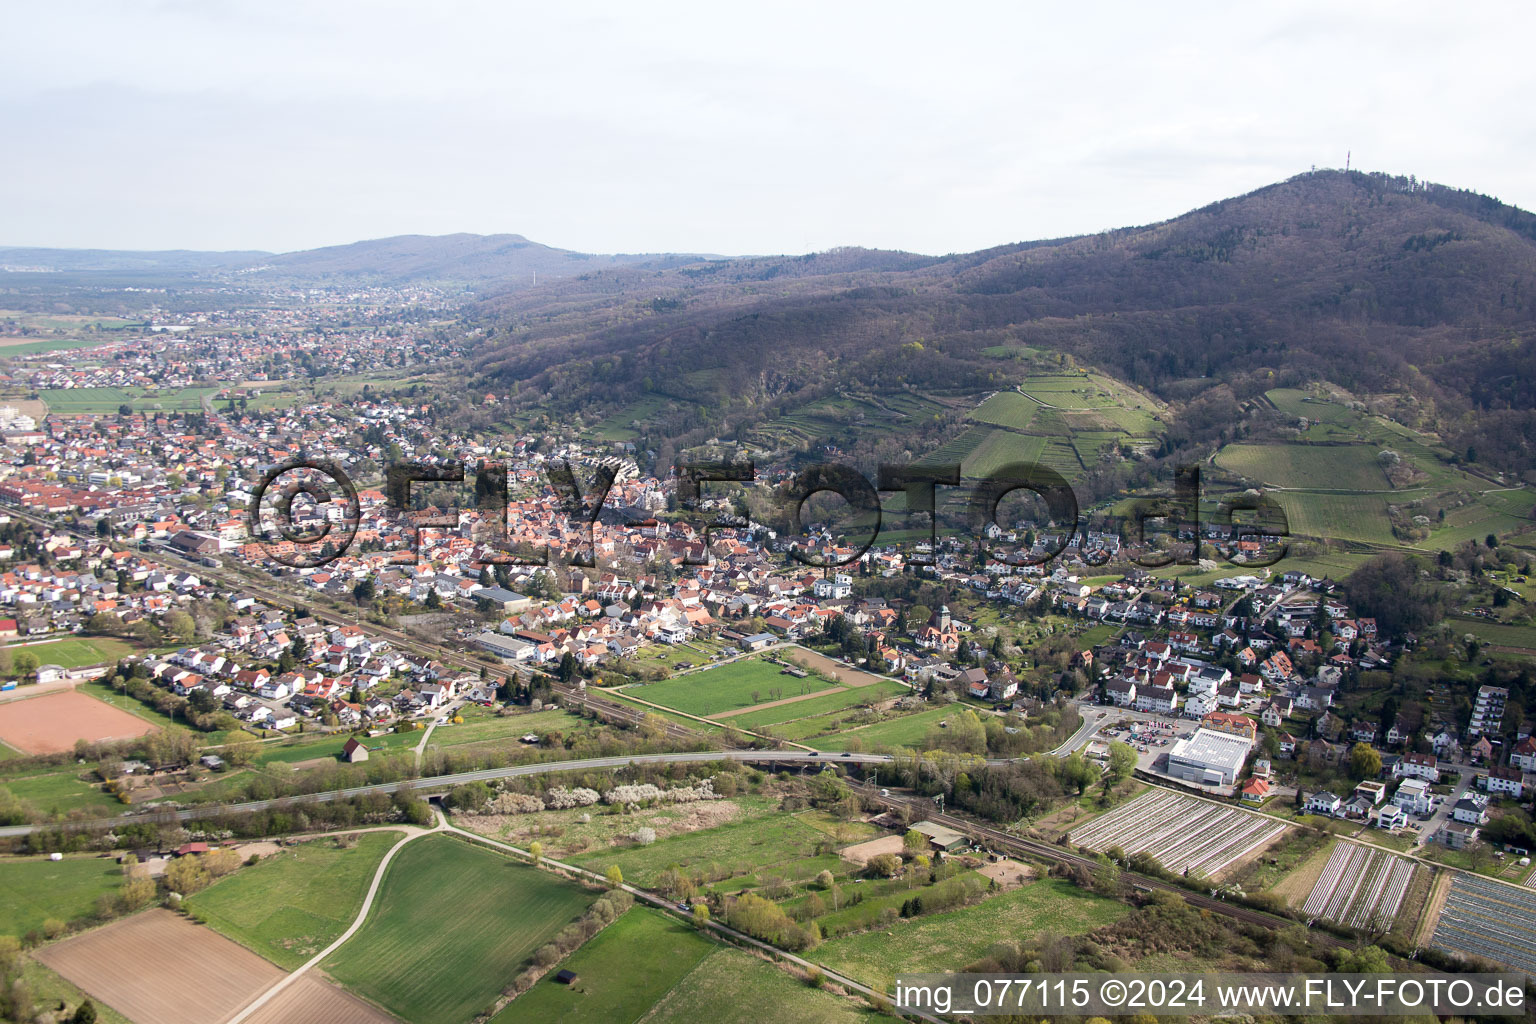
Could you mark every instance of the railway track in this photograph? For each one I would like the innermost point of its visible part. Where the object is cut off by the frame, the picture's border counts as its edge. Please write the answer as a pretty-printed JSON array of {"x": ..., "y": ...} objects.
[
  {"x": 613, "y": 711},
  {"x": 607, "y": 709},
  {"x": 997, "y": 839}
]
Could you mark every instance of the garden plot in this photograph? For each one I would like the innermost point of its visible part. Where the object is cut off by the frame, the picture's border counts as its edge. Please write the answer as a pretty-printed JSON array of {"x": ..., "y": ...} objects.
[
  {"x": 1490, "y": 920},
  {"x": 1186, "y": 835},
  {"x": 1360, "y": 887}
]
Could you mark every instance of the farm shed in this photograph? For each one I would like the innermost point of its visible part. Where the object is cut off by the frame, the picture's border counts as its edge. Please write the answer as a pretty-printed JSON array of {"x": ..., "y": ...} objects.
[
  {"x": 946, "y": 839},
  {"x": 566, "y": 977}
]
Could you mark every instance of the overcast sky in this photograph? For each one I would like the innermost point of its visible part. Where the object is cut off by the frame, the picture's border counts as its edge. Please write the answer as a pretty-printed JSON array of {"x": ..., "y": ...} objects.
[{"x": 727, "y": 127}]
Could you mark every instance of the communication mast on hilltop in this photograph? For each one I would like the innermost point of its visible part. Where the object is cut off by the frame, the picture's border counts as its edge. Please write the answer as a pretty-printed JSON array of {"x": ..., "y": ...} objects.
[{"x": 1347, "y": 155}]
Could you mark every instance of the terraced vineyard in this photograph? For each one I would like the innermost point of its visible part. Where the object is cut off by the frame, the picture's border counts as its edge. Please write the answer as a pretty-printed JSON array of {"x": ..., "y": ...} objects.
[
  {"x": 1325, "y": 467},
  {"x": 1357, "y": 517},
  {"x": 1007, "y": 409},
  {"x": 1183, "y": 833},
  {"x": 1490, "y": 920},
  {"x": 1360, "y": 887}
]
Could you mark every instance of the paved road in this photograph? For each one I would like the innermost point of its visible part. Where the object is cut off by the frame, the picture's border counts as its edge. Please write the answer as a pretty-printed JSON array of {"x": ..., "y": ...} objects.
[
  {"x": 1442, "y": 813},
  {"x": 440, "y": 782},
  {"x": 1093, "y": 719}
]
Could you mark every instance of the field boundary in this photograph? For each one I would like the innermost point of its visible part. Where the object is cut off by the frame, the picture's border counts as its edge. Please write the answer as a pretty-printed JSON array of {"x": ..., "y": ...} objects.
[{"x": 352, "y": 929}]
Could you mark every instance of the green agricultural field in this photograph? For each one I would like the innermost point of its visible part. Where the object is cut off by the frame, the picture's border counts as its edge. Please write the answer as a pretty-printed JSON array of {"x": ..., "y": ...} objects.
[
  {"x": 34, "y": 889},
  {"x": 485, "y": 726},
  {"x": 851, "y": 697},
  {"x": 49, "y": 988},
  {"x": 1006, "y": 409},
  {"x": 60, "y": 791},
  {"x": 733, "y": 987},
  {"x": 617, "y": 427},
  {"x": 77, "y": 651},
  {"x": 1355, "y": 517},
  {"x": 1001, "y": 448},
  {"x": 1307, "y": 467},
  {"x": 621, "y": 973},
  {"x": 907, "y": 731},
  {"x": 724, "y": 687},
  {"x": 296, "y": 902},
  {"x": 1303, "y": 404},
  {"x": 1333, "y": 565},
  {"x": 773, "y": 841},
  {"x": 105, "y": 401},
  {"x": 447, "y": 906},
  {"x": 1473, "y": 522},
  {"x": 959, "y": 448},
  {"x": 1069, "y": 391},
  {"x": 67, "y": 321},
  {"x": 671, "y": 716},
  {"x": 33, "y": 348},
  {"x": 305, "y": 748},
  {"x": 945, "y": 942},
  {"x": 1497, "y": 633}
]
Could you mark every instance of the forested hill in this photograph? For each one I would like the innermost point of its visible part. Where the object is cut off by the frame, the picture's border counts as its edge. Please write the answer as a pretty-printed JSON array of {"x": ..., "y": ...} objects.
[
  {"x": 1383, "y": 285},
  {"x": 503, "y": 261}
]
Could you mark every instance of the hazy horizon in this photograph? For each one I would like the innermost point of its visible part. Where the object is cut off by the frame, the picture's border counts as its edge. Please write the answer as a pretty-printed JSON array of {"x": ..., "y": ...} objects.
[{"x": 687, "y": 128}]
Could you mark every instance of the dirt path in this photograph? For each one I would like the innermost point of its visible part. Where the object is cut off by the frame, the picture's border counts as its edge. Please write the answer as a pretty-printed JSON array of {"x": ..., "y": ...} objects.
[
  {"x": 779, "y": 702},
  {"x": 362, "y": 915},
  {"x": 1438, "y": 891}
]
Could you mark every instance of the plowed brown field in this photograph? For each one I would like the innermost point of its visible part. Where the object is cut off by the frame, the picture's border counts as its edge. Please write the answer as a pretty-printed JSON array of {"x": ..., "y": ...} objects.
[
  {"x": 311, "y": 1000},
  {"x": 160, "y": 968}
]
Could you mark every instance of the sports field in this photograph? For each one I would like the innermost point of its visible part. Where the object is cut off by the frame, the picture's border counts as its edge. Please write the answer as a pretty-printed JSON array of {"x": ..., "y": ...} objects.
[
  {"x": 76, "y": 651},
  {"x": 297, "y": 901},
  {"x": 453, "y": 924},
  {"x": 621, "y": 973},
  {"x": 52, "y": 723}
]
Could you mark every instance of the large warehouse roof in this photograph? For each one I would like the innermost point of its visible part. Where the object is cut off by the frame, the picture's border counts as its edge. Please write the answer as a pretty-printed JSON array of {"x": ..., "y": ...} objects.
[{"x": 1212, "y": 749}]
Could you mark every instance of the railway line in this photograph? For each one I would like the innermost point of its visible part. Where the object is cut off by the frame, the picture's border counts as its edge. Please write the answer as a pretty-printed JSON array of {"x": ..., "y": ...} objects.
[
  {"x": 260, "y": 588},
  {"x": 996, "y": 839},
  {"x": 611, "y": 710}
]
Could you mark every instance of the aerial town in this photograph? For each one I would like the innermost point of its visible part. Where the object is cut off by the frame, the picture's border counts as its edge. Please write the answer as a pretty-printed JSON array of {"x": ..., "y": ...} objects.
[{"x": 522, "y": 514}]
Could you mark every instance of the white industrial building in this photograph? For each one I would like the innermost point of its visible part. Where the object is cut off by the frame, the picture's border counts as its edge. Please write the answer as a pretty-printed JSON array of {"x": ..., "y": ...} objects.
[{"x": 1209, "y": 757}]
